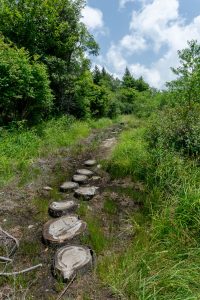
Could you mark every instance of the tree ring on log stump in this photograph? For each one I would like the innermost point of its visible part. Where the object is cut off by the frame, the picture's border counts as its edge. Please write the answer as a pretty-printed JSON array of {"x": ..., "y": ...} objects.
[
  {"x": 85, "y": 172},
  {"x": 62, "y": 230},
  {"x": 68, "y": 186},
  {"x": 90, "y": 162},
  {"x": 72, "y": 259},
  {"x": 58, "y": 209},
  {"x": 86, "y": 193},
  {"x": 80, "y": 178}
]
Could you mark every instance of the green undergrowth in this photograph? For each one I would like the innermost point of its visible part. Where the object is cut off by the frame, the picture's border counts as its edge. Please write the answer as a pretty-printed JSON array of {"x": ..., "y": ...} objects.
[
  {"x": 20, "y": 147},
  {"x": 162, "y": 261},
  {"x": 131, "y": 149},
  {"x": 96, "y": 237}
]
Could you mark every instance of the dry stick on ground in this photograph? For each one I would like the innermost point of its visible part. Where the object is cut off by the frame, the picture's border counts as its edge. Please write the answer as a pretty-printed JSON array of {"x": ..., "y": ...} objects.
[
  {"x": 22, "y": 271},
  {"x": 5, "y": 259},
  {"x": 12, "y": 238},
  {"x": 64, "y": 291}
]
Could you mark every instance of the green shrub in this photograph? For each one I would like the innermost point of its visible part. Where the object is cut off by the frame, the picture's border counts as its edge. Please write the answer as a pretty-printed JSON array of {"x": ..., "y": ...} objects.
[
  {"x": 24, "y": 86},
  {"x": 177, "y": 128}
]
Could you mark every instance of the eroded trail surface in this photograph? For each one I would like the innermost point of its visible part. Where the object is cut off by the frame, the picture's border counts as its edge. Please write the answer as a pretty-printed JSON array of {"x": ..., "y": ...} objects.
[{"x": 68, "y": 219}]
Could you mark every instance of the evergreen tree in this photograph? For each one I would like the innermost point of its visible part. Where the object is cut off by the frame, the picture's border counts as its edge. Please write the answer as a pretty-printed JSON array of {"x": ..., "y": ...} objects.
[{"x": 127, "y": 80}]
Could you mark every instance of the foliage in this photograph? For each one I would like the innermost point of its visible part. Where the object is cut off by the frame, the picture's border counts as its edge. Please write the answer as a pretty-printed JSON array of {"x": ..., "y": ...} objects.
[
  {"x": 53, "y": 31},
  {"x": 162, "y": 260},
  {"x": 185, "y": 89},
  {"x": 177, "y": 128},
  {"x": 24, "y": 86}
]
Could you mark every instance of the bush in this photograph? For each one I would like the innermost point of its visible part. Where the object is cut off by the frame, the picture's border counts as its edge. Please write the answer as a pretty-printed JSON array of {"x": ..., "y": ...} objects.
[
  {"x": 177, "y": 128},
  {"x": 24, "y": 86}
]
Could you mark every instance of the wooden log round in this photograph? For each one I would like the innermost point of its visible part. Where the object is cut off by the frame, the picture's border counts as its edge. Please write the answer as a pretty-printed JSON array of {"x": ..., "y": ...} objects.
[
  {"x": 68, "y": 186},
  {"x": 95, "y": 178},
  {"x": 62, "y": 230},
  {"x": 86, "y": 193},
  {"x": 90, "y": 163},
  {"x": 81, "y": 179},
  {"x": 58, "y": 209},
  {"x": 70, "y": 260},
  {"x": 85, "y": 172}
]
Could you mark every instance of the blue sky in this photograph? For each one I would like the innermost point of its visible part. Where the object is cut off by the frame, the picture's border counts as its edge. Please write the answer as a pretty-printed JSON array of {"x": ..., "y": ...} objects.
[{"x": 142, "y": 34}]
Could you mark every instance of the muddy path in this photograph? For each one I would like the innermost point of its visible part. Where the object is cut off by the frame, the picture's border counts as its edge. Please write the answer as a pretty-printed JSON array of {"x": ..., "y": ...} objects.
[{"x": 24, "y": 211}]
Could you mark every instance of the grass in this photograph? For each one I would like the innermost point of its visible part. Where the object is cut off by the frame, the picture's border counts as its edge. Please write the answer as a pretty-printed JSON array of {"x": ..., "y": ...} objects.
[
  {"x": 130, "y": 149},
  {"x": 42, "y": 206},
  {"x": 19, "y": 148},
  {"x": 96, "y": 237},
  {"x": 162, "y": 262},
  {"x": 110, "y": 207}
]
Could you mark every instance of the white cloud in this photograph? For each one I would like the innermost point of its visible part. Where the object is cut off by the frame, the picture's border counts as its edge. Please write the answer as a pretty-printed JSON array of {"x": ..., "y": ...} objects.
[
  {"x": 92, "y": 18},
  {"x": 122, "y": 3},
  {"x": 158, "y": 24},
  {"x": 116, "y": 59},
  {"x": 133, "y": 43}
]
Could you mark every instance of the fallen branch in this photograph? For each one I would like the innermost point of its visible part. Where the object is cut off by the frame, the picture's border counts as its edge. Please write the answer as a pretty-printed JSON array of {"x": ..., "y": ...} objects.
[
  {"x": 6, "y": 259},
  {"x": 10, "y": 236},
  {"x": 22, "y": 271},
  {"x": 64, "y": 291}
]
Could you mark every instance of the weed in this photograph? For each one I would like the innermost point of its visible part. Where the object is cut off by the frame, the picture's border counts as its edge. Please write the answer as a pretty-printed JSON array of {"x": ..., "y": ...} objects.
[
  {"x": 42, "y": 206},
  {"x": 96, "y": 238},
  {"x": 110, "y": 206},
  {"x": 82, "y": 210},
  {"x": 29, "y": 248}
]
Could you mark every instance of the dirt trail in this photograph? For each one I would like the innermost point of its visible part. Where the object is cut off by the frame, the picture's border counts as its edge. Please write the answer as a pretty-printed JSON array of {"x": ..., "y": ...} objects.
[{"x": 25, "y": 210}]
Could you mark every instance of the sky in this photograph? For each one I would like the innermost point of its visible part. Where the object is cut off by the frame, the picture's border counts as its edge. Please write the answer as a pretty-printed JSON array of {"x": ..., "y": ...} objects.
[{"x": 143, "y": 35}]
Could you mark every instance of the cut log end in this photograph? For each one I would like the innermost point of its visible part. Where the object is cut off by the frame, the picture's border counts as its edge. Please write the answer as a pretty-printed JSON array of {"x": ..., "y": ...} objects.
[
  {"x": 86, "y": 193},
  {"x": 90, "y": 163},
  {"x": 81, "y": 179},
  {"x": 85, "y": 172},
  {"x": 58, "y": 209},
  {"x": 62, "y": 230},
  {"x": 68, "y": 186},
  {"x": 72, "y": 259}
]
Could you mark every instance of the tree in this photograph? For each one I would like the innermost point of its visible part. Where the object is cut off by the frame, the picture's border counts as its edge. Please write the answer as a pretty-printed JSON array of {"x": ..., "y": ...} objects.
[
  {"x": 127, "y": 80},
  {"x": 141, "y": 85},
  {"x": 53, "y": 30},
  {"x": 96, "y": 75},
  {"x": 24, "y": 86},
  {"x": 186, "y": 88}
]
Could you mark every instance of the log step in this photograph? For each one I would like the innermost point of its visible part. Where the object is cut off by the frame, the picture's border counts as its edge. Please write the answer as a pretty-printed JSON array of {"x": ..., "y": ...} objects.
[
  {"x": 86, "y": 193},
  {"x": 58, "y": 209},
  {"x": 81, "y": 179},
  {"x": 62, "y": 230},
  {"x": 90, "y": 163},
  {"x": 85, "y": 172},
  {"x": 72, "y": 259},
  {"x": 68, "y": 186}
]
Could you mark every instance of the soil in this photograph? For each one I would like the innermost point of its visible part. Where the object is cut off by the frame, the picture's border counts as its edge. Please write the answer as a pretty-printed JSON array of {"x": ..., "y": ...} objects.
[{"x": 24, "y": 210}]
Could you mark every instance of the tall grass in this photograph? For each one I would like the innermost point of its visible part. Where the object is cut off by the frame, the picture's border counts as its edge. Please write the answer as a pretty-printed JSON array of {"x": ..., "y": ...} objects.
[
  {"x": 162, "y": 261},
  {"x": 18, "y": 148}
]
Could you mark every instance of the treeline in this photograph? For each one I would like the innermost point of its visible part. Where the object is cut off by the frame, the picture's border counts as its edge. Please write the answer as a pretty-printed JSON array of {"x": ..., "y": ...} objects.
[{"x": 44, "y": 69}]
